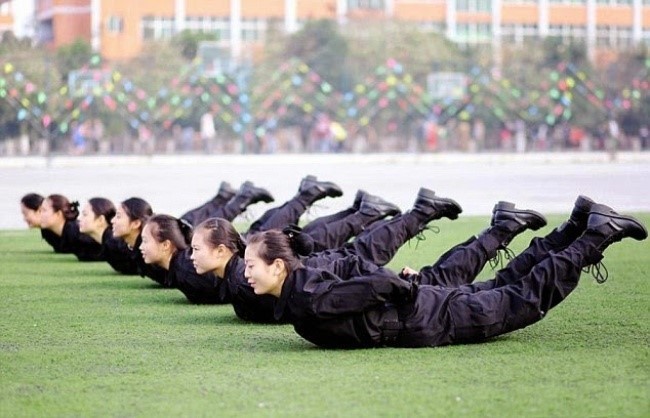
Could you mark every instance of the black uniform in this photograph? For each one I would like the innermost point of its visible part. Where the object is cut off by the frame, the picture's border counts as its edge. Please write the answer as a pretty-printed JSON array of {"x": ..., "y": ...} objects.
[
  {"x": 154, "y": 272},
  {"x": 215, "y": 208},
  {"x": 53, "y": 240},
  {"x": 117, "y": 253},
  {"x": 198, "y": 288},
  {"x": 383, "y": 310},
  {"x": 81, "y": 245},
  {"x": 364, "y": 255},
  {"x": 336, "y": 230}
]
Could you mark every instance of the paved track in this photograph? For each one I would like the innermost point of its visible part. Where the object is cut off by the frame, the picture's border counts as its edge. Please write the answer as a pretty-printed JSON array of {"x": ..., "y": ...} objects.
[{"x": 172, "y": 184}]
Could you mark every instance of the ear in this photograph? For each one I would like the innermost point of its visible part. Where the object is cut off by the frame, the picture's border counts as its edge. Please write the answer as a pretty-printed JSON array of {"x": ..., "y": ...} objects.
[
  {"x": 137, "y": 224},
  {"x": 278, "y": 266},
  {"x": 167, "y": 245}
]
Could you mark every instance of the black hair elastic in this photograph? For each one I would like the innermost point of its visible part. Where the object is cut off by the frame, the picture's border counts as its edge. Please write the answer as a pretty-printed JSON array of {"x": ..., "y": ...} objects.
[
  {"x": 184, "y": 226},
  {"x": 291, "y": 230},
  {"x": 74, "y": 205}
]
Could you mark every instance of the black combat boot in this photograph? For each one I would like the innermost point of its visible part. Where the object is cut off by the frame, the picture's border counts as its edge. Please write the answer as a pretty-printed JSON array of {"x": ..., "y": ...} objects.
[
  {"x": 249, "y": 194},
  {"x": 312, "y": 190},
  {"x": 605, "y": 227},
  {"x": 577, "y": 222},
  {"x": 508, "y": 222},
  {"x": 356, "y": 205},
  {"x": 377, "y": 207},
  {"x": 435, "y": 207},
  {"x": 225, "y": 193}
]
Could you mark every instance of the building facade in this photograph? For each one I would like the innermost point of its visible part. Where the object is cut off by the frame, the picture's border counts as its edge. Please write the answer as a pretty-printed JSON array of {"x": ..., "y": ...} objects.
[
  {"x": 119, "y": 28},
  {"x": 17, "y": 16}
]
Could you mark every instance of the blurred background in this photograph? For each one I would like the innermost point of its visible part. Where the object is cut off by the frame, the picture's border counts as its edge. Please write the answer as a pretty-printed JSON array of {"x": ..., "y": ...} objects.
[{"x": 88, "y": 77}]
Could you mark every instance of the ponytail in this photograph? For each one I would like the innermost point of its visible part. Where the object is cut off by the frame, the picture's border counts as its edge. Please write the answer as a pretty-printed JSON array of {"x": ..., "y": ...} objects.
[
  {"x": 301, "y": 244},
  {"x": 186, "y": 229},
  {"x": 286, "y": 245},
  {"x": 61, "y": 203},
  {"x": 221, "y": 232},
  {"x": 165, "y": 227}
]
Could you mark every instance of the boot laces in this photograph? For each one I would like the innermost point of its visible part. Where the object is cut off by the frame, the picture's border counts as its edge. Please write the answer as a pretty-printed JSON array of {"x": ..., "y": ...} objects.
[
  {"x": 311, "y": 212},
  {"x": 503, "y": 254},
  {"x": 598, "y": 271},
  {"x": 420, "y": 236}
]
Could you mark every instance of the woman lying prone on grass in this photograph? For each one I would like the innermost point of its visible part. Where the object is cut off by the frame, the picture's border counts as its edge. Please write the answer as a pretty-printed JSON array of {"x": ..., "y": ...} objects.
[
  {"x": 30, "y": 207},
  {"x": 382, "y": 309},
  {"x": 165, "y": 244},
  {"x": 59, "y": 217},
  {"x": 218, "y": 248},
  {"x": 95, "y": 220}
]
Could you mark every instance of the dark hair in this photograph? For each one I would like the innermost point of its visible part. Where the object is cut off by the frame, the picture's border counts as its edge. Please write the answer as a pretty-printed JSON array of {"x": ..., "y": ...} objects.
[
  {"x": 102, "y": 207},
  {"x": 32, "y": 201},
  {"x": 221, "y": 232},
  {"x": 137, "y": 209},
  {"x": 61, "y": 203},
  {"x": 285, "y": 245},
  {"x": 165, "y": 227}
]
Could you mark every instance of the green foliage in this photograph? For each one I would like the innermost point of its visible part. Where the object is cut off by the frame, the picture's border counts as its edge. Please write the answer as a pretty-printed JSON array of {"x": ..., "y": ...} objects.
[
  {"x": 78, "y": 340},
  {"x": 73, "y": 56},
  {"x": 188, "y": 42},
  {"x": 321, "y": 46}
]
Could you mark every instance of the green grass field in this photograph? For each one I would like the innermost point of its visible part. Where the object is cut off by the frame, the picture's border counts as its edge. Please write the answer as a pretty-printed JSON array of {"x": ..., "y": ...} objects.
[{"x": 77, "y": 339}]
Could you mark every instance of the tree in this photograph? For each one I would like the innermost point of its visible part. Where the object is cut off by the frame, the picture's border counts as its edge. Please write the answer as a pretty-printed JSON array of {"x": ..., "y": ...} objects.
[
  {"x": 73, "y": 56},
  {"x": 188, "y": 42},
  {"x": 320, "y": 45}
]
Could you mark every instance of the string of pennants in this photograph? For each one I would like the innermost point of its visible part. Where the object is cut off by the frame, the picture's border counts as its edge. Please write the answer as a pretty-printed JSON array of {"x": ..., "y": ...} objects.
[{"x": 389, "y": 93}]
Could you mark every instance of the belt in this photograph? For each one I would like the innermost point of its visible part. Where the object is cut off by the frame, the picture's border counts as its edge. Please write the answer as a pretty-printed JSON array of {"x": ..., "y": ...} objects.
[{"x": 391, "y": 325}]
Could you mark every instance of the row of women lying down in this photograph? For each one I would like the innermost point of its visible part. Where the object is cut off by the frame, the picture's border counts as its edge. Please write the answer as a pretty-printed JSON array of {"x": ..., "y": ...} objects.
[{"x": 329, "y": 279}]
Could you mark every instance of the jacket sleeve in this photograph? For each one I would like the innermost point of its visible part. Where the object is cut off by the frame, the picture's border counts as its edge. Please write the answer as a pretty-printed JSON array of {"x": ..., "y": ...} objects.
[{"x": 331, "y": 296}]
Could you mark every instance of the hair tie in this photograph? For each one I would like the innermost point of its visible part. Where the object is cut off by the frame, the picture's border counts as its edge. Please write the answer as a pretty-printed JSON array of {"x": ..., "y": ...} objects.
[
  {"x": 291, "y": 231},
  {"x": 184, "y": 225},
  {"x": 74, "y": 205}
]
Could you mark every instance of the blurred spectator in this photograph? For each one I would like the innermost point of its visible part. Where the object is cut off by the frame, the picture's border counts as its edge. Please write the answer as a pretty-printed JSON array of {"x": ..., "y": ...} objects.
[
  {"x": 208, "y": 132},
  {"x": 79, "y": 141}
]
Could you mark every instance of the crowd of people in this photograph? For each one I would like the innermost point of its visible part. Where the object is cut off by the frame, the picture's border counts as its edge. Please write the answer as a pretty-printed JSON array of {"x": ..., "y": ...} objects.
[
  {"x": 323, "y": 133},
  {"x": 328, "y": 278}
]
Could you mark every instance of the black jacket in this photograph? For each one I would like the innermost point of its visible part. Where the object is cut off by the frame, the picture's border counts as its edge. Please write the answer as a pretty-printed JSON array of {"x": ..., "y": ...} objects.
[
  {"x": 331, "y": 312},
  {"x": 117, "y": 253},
  {"x": 247, "y": 305},
  {"x": 81, "y": 245},
  {"x": 198, "y": 288},
  {"x": 155, "y": 273},
  {"x": 260, "y": 308},
  {"x": 53, "y": 240}
]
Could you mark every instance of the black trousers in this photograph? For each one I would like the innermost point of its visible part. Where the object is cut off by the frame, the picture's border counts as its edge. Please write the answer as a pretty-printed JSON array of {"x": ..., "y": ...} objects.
[
  {"x": 376, "y": 245},
  {"x": 520, "y": 294}
]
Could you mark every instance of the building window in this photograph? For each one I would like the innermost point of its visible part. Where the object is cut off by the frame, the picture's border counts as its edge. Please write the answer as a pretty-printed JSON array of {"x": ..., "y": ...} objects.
[
  {"x": 366, "y": 4},
  {"x": 614, "y": 36},
  {"x": 615, "y": 2},
  {"x": 474, "y": 5},
  {"x": 157, "y": 27},
  {"x": 568, "y": 1},
  {"x": 473, "y": 33},
  {"x": 567, "y": 32},
  {"x": 115, "y": 24},
  {"x": 253, "y": 30},
  {"x": 519, "y": 33},
  {"x": 220, "y": 26}
]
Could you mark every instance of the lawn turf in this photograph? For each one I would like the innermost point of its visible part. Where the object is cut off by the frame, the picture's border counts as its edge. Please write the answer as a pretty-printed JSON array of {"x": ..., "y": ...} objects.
[{"x": 77, "y": 339}]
